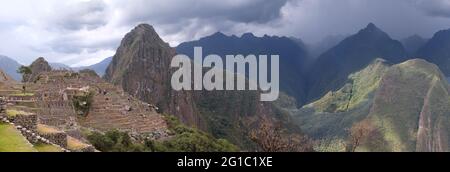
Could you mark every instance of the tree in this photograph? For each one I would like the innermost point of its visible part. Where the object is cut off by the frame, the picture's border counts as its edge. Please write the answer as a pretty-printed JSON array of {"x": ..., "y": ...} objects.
[
  {"x": 25, "y": 71},
  {"x": 359, "y": 133},
  {"x": 271, "y": 138}
]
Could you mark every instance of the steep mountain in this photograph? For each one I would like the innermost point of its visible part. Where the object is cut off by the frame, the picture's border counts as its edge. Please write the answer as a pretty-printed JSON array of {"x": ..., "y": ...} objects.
[
  {"x": 99, "y": 68},
  {"x": 293, "y": 57},
  {"x": 412, "y": 108},
  {"x": 38, "y": 66},
  {"x": 437, "y": 51},
  {"x": 407, "y": 104},
  {"x": 413, "y": 43},
  {"x": 141, "y": 67},
  {"x": 10, "y": 66},
  {"x": 331, "y": 69}
]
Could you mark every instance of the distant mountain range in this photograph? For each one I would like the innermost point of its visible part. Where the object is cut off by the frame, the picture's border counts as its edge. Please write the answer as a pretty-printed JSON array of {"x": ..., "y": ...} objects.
[
  {"x": 99, "y": 68},
  {"x": 293, "y": 56},
  {"x": 10, "y": 66},
  {"x": 437, "y": 51}
]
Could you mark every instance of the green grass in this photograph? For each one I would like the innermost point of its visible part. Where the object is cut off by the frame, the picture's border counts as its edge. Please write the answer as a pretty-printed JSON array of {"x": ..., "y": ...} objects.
[
  {"x": 74, "y": 144},
  {"x": 11, "y": 140},
  {"x": 13, "y": 113},
  {"x": 22, "y": 94},
  {"x": 44, "y": 129},
  {"x": 47, "y": 148}
]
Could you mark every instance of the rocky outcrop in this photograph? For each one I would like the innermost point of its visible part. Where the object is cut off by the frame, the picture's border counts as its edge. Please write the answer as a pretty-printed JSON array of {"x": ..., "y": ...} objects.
[{"x": 38, "y": 66}]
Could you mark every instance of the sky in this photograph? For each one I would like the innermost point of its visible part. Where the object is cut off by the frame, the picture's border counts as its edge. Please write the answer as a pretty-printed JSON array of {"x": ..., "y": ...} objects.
[{"x": 84, "y": 32}]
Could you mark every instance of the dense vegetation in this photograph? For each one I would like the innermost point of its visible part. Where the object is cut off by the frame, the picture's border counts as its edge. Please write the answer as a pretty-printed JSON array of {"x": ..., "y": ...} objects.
[
  {"x": 182, "y": 139},
  {"x": 82, "y": 103}
]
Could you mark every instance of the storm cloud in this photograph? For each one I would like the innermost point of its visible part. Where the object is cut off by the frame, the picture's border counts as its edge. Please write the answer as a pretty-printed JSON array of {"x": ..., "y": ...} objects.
[{"x": 82, "y": 32}]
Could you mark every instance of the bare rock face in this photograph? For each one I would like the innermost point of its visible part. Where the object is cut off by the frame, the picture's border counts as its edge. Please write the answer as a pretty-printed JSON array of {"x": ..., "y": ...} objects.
[
  {"x": 38, "y": 66},
  {"x": 141, "y": 67}
]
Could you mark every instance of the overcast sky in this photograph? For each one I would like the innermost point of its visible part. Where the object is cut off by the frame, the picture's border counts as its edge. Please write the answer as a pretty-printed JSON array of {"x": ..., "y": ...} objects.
[{"x": 83, "y": 32}]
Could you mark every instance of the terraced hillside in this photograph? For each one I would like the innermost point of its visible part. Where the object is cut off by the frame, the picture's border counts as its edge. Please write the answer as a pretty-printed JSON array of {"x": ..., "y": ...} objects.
[{"x": 109, "y": 106}]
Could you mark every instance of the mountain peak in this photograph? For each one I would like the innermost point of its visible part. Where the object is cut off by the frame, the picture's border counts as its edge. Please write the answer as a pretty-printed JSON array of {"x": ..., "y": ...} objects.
[
  {"x": 41, "y": 63},
  {"x": 144, "y": 32},
  {"x": 40, "y": 59},
  {"x": 218, "y": 34},
  {"x": 38, "y": 66},
  {"x": 145, "y": 27},
  {"x": 248, "y": 35},
  {"x": 373, "y": 32},
  {"x": 441, "y": 33},
  {"x": 372, "y": 28}
]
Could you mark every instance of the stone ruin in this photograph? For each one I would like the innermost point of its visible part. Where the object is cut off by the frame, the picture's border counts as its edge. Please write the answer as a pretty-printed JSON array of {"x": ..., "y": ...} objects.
[
  {"x": 2, "y": 105},
  {"x": 111, "y": 107},
  {"x": 49, "y": 101}
]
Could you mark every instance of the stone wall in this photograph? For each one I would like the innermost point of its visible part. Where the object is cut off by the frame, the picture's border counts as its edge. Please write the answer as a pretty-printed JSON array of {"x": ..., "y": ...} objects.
[
  {"x": 57, "y": 138},
  {"x": 27, "y": 121},
  {"x": 88, "y": 149}
]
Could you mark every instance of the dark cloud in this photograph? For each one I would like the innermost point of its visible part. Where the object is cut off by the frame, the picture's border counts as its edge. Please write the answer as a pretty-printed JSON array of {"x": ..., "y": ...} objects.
[
  {"x": 438, "y": 8},
  {"x": 172, "y": 11}
]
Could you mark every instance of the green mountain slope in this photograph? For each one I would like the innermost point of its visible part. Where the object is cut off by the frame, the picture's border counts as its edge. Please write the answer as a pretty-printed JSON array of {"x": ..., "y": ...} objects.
[
  {"x": 408, "y": 104},
  {"x": 412, "y": 107}
]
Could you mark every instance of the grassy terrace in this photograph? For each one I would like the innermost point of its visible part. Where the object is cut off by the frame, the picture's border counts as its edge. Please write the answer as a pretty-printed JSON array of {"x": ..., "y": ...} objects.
[
  {"x": 74, "y": 144},
  {"x": 43, "y": 129},
  {"x": 13, "y": 113},
  {"x": 46, "y": 148},
  {"x": 11, "y": 140},
  {"x": 22, "y": 94}
]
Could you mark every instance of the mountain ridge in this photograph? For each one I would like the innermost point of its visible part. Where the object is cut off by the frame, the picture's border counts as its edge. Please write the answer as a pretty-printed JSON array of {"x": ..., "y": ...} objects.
[
  {"x": 10, "y": 66},
  {"x": 331, "y": 69}
]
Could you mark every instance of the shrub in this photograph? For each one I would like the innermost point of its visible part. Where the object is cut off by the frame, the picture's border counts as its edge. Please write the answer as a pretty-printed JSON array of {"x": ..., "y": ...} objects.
[
  {"x": 184, "y": 139},
  {"x": 82, "y": 103}
]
